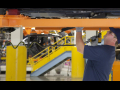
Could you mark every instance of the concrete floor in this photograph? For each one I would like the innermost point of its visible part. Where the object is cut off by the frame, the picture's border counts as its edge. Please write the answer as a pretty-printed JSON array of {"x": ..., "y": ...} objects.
[
  {"x": 45, "y": 78},
  {"x": 51, "y": 76},
  {"x": 65, "y": 74}
]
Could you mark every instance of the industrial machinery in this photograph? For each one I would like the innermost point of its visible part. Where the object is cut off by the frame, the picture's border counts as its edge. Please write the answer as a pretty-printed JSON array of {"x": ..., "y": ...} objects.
[
  {"x": 42, "y": 39},
  {"x": 5, "y": 36}
]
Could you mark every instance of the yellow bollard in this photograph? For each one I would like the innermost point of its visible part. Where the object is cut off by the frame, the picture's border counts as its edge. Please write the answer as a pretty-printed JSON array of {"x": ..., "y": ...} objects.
[
  {"x": 110, "y": 77},
  {"x": 77, "y": 64},
  {"x": 16, "y": 60}
]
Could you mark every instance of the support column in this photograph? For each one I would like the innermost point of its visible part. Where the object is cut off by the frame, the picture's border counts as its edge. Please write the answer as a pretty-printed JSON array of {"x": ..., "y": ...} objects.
[
  {"x": 16, "y": 58},
  {"x": 77, "y": 64}
]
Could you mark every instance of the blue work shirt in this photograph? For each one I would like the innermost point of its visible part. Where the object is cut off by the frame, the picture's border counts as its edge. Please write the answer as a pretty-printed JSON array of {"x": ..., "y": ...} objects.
[{"x": 100, "y": 61}]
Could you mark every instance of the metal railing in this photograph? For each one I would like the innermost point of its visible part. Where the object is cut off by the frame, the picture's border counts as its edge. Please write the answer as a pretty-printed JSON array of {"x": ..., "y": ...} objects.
[{"x": 67, "y": 40}]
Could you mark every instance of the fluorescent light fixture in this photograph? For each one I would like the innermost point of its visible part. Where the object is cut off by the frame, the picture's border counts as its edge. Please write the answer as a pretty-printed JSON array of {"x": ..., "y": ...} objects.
[
  {"x": 82, "y": 32},
  {"x": 23, "y": 27},
  {"x": 33, "y": 28}
]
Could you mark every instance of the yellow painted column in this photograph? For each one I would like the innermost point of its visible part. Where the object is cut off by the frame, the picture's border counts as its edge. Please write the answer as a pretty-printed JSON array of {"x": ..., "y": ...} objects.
[
  {"x": 77, "y": 64},
  {"x": 110, "y": 77},
  {"x": 16, "y": 60}
]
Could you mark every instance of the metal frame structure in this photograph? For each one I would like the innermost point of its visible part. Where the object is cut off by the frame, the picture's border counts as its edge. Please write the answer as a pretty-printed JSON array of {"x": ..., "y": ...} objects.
[{"x": 50, "y": 24}]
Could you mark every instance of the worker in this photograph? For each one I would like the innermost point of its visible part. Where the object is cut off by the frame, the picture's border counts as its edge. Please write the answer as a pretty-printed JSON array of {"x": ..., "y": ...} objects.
[{"x": 100, "y": 58}]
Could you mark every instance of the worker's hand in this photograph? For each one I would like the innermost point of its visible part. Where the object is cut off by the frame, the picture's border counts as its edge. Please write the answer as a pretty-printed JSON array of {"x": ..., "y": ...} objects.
[{"x": 79, "y": 29}]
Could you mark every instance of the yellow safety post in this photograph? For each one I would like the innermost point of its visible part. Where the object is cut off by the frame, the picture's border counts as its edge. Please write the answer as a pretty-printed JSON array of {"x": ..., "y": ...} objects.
[
  {"x": 16, "y": 60},
  {"x": 77, "y": 64},
  {"x": 110, "y": 77}
]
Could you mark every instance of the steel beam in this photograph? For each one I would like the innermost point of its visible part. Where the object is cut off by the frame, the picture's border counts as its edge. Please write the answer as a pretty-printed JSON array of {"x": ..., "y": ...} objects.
[
  {"x": 59, "y": 28},
  {"x": 89, "y": 24},
  {"x": 71, "y": 23}
]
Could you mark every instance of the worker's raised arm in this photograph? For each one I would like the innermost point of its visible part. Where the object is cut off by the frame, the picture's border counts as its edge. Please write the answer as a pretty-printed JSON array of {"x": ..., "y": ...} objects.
[{"x": 79, "y": 41}]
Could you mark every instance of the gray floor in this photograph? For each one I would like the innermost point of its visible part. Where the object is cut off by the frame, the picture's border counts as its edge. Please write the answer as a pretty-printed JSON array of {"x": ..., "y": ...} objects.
[
  {"x": 51, "y": 76},
  {"x": 65, "y": 75},
  {"x": 46, "y": 78},
  {"x": 55, "y": 78}
]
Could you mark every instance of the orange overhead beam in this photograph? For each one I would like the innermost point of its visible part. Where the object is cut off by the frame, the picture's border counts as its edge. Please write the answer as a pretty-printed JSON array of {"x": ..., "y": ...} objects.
[
  {"x": 89, "y": 24},
  {"x": 12, "y": 20},
  {"x": 48, "y": 28},
  {"x": 59, "y": 28},
  {"x": 96, "y": 28},
  {"x": 71, "y": 23}
]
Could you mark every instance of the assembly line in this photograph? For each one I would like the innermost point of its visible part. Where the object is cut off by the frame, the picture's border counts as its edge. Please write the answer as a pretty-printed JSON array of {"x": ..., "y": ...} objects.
[{"x": 37, "y": 48}]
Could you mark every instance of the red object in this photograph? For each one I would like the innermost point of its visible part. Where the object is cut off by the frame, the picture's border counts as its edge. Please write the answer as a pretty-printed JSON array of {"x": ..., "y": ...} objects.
[
  {"x": 13, "y": 12},
  {"x": 99, "y": 30}
]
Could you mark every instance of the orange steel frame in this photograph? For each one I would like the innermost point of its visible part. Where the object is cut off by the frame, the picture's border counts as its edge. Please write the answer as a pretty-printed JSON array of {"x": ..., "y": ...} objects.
[
  {"x": 45, "y": 25},
  {"x": 57, "y": 24}
]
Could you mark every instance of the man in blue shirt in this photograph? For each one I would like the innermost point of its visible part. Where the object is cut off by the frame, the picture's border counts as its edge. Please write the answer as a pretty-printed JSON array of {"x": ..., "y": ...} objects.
[{"x": 100, "y": 58}]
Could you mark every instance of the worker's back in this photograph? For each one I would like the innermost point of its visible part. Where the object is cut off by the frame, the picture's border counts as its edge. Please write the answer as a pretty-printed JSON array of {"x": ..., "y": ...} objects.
[{"x": 100, "y": 61}]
